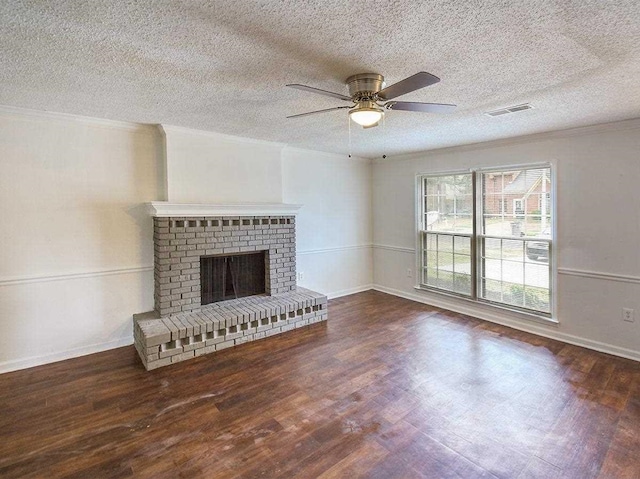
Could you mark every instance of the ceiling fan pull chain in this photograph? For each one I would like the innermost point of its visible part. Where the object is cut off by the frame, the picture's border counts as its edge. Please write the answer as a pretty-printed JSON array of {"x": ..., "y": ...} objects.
[
  {"x": 384, "y": 135},
  {"x": 349, "y": 127}
]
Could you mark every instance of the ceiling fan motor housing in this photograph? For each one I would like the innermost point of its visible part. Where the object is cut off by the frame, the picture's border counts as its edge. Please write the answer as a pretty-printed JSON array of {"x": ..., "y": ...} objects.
[{"x": 364, "y": 83}]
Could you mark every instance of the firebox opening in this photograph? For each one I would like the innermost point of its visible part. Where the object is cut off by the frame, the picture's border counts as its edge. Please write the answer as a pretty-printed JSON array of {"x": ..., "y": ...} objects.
[{"x": 232, "y": 276}]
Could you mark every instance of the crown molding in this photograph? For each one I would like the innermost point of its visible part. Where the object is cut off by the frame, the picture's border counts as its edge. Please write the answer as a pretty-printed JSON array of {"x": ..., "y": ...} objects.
[
  {"x": 101, "y": 122},
  {"x": 622, "y": 125},
  {"x": 218, "y": 136},
  {"x": 328, "y": 155},
  {"x": 166, "y": 209}
]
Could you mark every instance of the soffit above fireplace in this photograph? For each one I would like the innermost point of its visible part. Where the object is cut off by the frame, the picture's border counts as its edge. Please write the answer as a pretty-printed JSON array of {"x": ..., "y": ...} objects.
[{"x": 167, "y": 209}]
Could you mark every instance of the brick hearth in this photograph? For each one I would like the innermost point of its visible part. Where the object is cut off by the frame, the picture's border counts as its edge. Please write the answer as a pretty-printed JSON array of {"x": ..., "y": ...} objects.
[{"x": 182, "y": 336}]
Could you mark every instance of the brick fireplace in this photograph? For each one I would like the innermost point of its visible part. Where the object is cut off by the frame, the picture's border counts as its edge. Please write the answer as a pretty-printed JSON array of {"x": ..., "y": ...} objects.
[
  {"x": 180, "y": 243},
  {"x": 202, "y": 302}
]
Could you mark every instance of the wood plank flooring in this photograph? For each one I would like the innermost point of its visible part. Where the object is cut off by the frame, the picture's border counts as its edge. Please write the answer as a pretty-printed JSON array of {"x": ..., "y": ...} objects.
[{"x": 388, "y": 388}]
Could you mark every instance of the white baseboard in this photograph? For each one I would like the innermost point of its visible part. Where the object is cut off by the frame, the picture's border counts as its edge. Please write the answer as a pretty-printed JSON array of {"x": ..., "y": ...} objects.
[
  {"x": 503, "y": 319},
  {"x": 347, "y": 292},
  {"x": 17, "y": 364}
]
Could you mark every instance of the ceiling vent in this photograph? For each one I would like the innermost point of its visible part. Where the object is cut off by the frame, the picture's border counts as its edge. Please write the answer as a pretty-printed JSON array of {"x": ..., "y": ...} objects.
[{"x": 510, "y": 109}]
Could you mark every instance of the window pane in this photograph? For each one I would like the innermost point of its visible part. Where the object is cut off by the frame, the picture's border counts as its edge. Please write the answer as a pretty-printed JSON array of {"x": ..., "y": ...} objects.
[
  {"x": 516, "y": 201},
  {"x": 524, "y": 282},
  {"x": 449, "y": 203},
  {"x": 445, "y": 243},
  {"x": 444, "y": 267},
  {"x": 462, "y": 283},
  {"x": 445, "y": 261},
  {"x": 462, "y": 244},
  {"x": 493, "y": 248},
  {"x": 492, "y": 289},
  {"x": 431, "y": 242},
  {"x": 462, "y": 263}
]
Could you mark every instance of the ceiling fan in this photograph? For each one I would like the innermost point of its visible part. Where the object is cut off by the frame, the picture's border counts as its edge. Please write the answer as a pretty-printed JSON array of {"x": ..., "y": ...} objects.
[{"x": 367, "y": 93}]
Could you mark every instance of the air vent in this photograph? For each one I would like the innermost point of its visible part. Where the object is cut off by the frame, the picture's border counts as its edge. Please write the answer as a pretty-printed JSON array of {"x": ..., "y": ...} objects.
[{"x": 510, "y": 109}]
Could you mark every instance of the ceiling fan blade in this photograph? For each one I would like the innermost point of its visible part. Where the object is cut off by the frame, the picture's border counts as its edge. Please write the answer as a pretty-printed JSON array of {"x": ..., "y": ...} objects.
[
  {"x": 318, "y": 111},
  {"x": 319, "y": 91},
  {"x": 409, "y": 84},
  {"x": 422, "y": 107}
]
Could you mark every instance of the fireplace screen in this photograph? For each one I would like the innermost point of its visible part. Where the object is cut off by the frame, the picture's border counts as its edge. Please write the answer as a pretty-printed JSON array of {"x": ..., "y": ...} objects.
[{"x": 231, "y": 276}]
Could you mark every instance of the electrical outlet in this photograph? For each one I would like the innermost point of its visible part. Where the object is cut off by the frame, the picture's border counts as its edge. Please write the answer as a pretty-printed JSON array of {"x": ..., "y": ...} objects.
[
  {"x": 409, "y": 273},
  {"x": 300, "y": 275},
  {"x": 627, "y": 315}
]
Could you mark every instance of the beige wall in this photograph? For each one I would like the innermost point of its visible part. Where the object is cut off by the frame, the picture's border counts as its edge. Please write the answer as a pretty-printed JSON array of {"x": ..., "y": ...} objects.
[
  {"x": 334, "y": 227},
  {"x": 76, "y": 256},
  {"x": 204, "y": 167}
]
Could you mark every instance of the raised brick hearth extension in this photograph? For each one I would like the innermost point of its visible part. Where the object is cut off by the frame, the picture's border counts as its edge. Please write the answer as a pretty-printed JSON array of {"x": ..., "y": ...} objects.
[
  {"x": 181, "y": 328},
  {"x": 182, "y": 336}
]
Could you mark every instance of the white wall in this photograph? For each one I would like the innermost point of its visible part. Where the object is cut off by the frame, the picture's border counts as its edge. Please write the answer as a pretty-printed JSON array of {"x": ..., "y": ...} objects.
[
  {"x": 334, "y": 227},
  {"x": 205, "y": 167},
  {"x": 76, "y": 255},
  {"x": 598, "y": 213},
  {"x": 76, "y": 247}
]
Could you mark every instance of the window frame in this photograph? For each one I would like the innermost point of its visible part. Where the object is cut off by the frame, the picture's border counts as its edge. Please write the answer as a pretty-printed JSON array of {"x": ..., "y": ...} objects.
[
  {"x": 422, "y": 232},
  {"x": 477, "y": 173}
]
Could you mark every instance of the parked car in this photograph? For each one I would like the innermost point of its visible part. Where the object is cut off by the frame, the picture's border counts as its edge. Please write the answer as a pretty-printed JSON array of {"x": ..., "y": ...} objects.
[{"x": 539, "y": 250}]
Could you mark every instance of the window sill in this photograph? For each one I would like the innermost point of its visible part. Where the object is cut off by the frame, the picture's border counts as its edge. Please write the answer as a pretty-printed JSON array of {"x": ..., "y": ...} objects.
[{"x": 488, "y": 307}]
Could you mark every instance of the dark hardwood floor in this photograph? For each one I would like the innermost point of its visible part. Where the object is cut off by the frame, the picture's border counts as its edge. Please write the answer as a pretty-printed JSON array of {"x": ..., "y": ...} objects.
[{"x": 388, "y": 388}]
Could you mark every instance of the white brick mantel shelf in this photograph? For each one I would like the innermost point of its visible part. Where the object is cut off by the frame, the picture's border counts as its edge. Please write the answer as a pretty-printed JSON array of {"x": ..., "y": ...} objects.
[{"x": 166, "y": 209}]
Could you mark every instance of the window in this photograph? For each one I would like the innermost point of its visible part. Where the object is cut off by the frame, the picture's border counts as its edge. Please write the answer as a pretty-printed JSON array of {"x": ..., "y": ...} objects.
[
  {"x": 518, "y": 209},
  {"x": 502, "y": 205},
  {"x": 473, "y": 246},
  {"x": 447, "y": 221}
]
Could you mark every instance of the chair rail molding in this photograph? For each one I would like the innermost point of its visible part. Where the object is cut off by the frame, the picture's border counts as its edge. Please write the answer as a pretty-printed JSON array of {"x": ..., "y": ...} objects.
[
  {"x": 601, "y": 275},
  {"x": 70, "y": 276}
]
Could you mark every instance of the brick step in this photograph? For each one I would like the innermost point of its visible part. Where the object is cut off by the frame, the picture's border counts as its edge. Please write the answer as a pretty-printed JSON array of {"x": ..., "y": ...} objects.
[{"x": 161, "y": 341}]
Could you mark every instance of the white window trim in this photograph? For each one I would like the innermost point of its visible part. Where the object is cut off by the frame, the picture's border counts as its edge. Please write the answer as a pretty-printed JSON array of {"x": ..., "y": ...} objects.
[{"x": 553, "y": 264}]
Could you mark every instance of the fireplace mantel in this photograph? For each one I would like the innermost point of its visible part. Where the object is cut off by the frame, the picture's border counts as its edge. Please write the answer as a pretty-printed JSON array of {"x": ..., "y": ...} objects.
[{"x": 166, "y": 209}]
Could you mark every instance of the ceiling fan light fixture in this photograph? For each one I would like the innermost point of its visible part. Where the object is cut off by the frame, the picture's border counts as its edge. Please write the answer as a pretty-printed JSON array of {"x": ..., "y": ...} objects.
[{"x": 366, "y": 113}]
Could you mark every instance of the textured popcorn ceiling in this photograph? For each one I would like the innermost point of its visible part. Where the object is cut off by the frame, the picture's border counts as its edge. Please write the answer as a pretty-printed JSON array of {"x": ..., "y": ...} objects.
[{"x": 223, "y": 65}]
